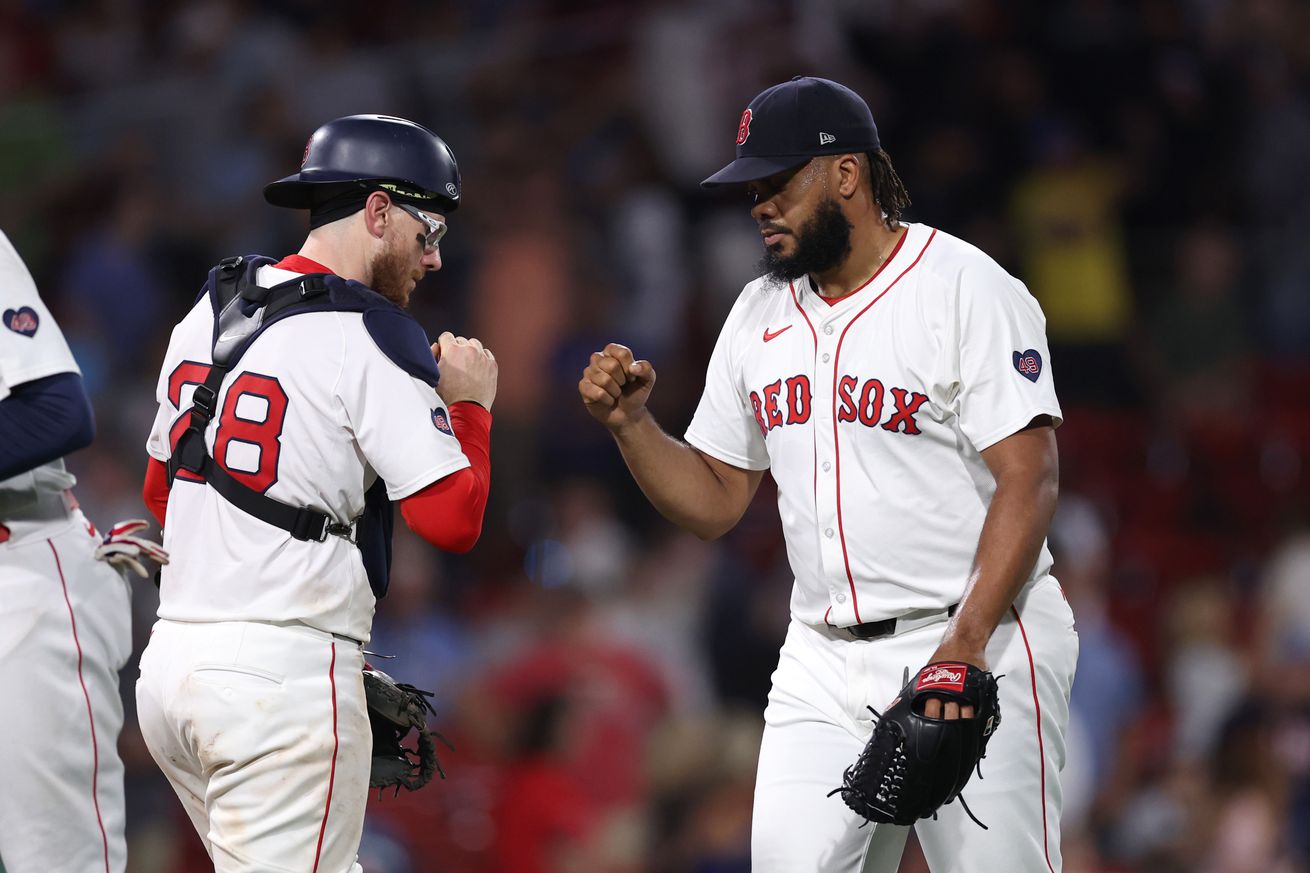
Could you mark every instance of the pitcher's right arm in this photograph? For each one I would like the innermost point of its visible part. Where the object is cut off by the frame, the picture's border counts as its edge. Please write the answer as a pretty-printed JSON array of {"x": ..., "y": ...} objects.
[{"x": 691, "y": 489}]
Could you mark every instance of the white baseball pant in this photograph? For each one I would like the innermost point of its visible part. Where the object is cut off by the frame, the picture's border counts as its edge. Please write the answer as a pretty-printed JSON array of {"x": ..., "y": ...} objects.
[
  {"x": 263, "y": 731},
  {"x": 817, "y": 723},
  {"x": 65, "y": 632}
]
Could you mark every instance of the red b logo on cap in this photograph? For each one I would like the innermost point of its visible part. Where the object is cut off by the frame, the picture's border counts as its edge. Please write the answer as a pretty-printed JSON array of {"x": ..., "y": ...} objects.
[{"x": 744, "y": 129}]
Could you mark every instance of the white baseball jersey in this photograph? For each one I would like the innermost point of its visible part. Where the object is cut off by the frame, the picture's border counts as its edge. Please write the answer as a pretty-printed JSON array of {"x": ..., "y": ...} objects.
[
  {"x": 312, "y": 415},
  {"x": 31, "y": 347},
  {"x": 872, "y": 413}
]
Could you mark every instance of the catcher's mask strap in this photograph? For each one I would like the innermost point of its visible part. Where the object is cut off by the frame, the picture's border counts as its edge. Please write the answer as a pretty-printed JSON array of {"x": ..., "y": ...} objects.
[{"x": 191, "y": 454}]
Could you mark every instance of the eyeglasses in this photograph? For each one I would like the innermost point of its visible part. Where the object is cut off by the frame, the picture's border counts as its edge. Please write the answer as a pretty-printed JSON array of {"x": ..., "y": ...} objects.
[{"x": 436, "y": 227}]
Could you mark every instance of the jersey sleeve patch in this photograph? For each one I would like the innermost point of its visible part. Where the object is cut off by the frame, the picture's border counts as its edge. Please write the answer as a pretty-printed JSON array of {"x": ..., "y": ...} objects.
[
  {"x": 1029, "y": 364},
  {"x": 441, "y": 421},
  {"x": 399, "y": 337},
  {"x": 23, "y": 320}
]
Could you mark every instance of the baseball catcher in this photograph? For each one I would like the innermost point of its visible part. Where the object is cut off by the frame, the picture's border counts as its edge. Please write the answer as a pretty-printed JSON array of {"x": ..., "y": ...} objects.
[
  {"x": 306, "y": 550},
  {"x": 913, "y": 764},
  {"x": 394, "y": 709}
]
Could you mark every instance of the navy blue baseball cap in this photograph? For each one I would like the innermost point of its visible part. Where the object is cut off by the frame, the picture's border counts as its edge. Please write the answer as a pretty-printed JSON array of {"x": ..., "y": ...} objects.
[{"x": 786, "y": 125}]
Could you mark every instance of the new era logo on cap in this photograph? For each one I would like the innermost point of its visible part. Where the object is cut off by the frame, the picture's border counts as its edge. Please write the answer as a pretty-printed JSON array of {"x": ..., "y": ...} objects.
[{"x": 825, "y": 138}]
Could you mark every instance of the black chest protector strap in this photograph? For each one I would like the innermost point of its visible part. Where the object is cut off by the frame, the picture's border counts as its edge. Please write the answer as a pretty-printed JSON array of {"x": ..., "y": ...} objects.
[{"x": 244, "y": 307}]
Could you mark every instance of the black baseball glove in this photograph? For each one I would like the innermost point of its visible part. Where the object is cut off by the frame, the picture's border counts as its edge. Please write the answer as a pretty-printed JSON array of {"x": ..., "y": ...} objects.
[
  {"x": 394, "y": 709},
  {"x": 913, "y": 765}
]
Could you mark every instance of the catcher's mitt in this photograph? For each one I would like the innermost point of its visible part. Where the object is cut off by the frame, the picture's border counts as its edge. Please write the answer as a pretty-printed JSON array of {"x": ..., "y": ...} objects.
[
  {"x": 394, "y": 709},
  {"x": 913, "y": 765}
]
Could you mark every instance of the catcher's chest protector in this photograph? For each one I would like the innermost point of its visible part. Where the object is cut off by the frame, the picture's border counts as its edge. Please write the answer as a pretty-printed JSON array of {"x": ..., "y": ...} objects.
[{"x": 242, "y": 312}]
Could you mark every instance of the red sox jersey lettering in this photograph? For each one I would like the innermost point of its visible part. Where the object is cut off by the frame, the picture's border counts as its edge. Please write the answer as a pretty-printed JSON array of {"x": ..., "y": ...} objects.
[
  {"x": 864, "y": 405},
  {"x": 873, "y": 416}
]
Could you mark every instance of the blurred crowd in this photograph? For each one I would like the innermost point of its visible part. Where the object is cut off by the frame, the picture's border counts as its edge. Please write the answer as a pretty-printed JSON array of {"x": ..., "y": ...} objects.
[{"x": 1143, "y": 166}]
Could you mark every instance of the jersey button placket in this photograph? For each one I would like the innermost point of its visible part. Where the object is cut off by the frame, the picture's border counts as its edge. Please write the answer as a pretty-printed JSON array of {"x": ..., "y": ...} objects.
[{"x": 834, "y": 566}]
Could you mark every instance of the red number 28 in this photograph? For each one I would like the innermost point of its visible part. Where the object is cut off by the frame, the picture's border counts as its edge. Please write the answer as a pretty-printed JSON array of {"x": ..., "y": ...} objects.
[{"x": 265, "y": 433}]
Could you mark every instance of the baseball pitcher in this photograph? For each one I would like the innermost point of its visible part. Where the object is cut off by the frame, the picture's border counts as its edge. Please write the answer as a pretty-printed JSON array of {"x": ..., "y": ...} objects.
[{"x": 897, "y": 384}]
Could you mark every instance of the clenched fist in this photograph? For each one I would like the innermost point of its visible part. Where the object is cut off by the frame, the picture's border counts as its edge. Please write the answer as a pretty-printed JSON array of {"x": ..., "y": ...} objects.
[
  {"x": 468, "y": 371},
  {"x": 615, "y": 387}
]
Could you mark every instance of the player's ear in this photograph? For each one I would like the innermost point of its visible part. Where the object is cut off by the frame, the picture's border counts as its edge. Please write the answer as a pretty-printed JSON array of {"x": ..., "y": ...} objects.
[
  {"x": 376, "y": 209},
  {"x": 850, "y": 171}
]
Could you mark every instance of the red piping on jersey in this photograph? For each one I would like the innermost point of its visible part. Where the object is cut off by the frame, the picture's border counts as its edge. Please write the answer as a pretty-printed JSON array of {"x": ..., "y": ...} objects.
[
  {"x": 836, "y": 440},
  {"x": 332, "y": 773},
  {"x": 891, "y": 256},
  {"x": 814, "y": 438},
  {"x": 300, "y": 264},
  {"x": 1041, "y": 750},
  {"x": 90, "y": 715}
]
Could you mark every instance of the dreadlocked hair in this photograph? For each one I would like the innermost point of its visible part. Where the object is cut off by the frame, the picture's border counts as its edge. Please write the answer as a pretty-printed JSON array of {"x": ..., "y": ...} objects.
[{"x": 888, "y": 189}]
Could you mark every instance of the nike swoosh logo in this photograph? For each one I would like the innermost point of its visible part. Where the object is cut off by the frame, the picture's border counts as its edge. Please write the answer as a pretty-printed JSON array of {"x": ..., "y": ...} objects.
[
  {"x": 230, "y": 335},
  {"x": 777, "y": 333}
]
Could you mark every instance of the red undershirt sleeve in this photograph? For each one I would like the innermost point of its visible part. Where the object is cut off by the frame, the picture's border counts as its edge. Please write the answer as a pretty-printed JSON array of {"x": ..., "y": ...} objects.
[
  {"x": 155, "y": 492},
  {"x": 448, "y": 513}
]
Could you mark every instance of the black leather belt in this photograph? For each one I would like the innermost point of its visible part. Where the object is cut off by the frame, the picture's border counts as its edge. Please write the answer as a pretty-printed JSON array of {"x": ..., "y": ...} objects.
[{"x": 885, "y": 628}]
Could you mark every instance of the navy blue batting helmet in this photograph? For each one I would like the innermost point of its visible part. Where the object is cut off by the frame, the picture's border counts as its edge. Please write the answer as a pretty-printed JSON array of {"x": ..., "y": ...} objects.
[{"x": 405, "y": 159}]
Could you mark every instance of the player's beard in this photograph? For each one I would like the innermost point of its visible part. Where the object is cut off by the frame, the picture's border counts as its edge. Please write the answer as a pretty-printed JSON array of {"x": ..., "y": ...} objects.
[
  {"x": 822, "y": 242},
  {"x": 392, "y": 272}
]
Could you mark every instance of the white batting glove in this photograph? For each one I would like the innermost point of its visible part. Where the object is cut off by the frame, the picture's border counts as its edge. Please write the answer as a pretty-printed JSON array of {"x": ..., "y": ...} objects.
[{"x": 123, "y": 551}]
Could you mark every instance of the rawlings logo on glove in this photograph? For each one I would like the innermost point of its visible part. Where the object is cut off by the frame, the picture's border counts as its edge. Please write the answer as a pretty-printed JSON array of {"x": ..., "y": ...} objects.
[
  {"x": 913, "y": 765},
  {"x": 946, "y": 676},
  {"x": 123, "y": 551}
]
